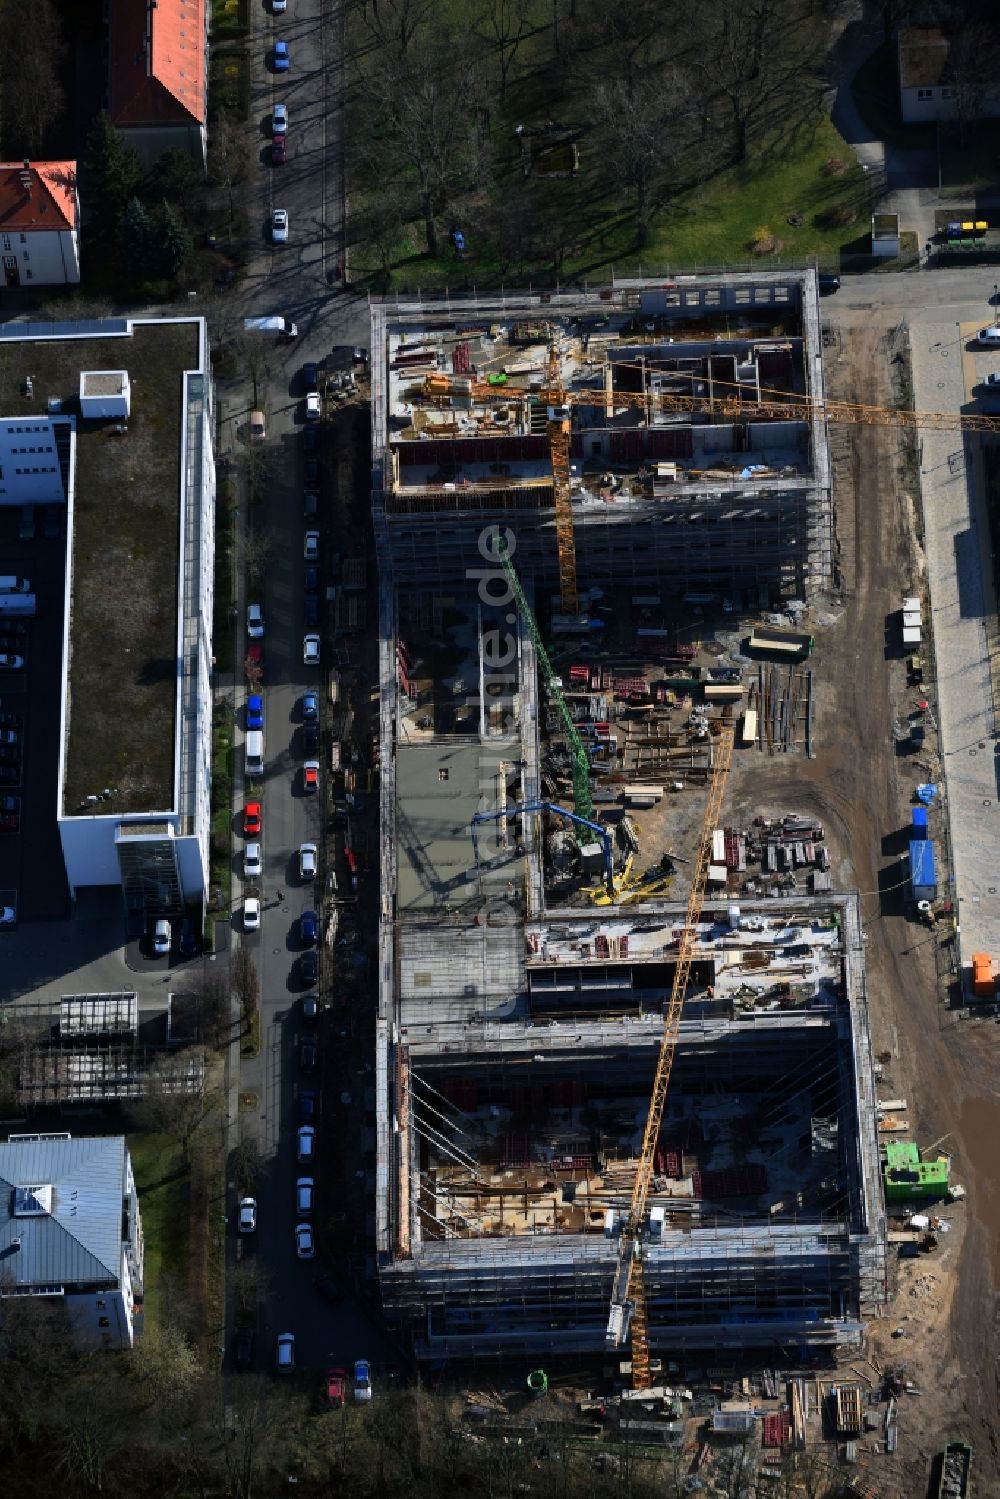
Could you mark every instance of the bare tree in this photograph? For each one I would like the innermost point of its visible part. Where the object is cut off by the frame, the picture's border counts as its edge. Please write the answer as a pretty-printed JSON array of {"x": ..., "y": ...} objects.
[
  {"x": 228, "y": 160},
  {"x": 641, "y": 124},
  {"x": 381, "y": 225},
  {"x": 504, "y": 25},
  {"x": 246, "y": 984},
  {"x": 395, "y": 23},
  {"x": 249, "y": 1283},
  {"x": 973, "y": 62},
  {"x": 183, "y": 1091},
  {"x": 425, "y": 110},
  {"x": 257, "y": 549},
  {"x": 166, "y": 1365},
  {"x": 33, "y": 97},
  {"x": 760, "y": 59}
]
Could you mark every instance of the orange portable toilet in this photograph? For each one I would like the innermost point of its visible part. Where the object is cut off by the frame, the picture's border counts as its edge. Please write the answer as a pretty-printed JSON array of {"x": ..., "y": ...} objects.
[{"x": 983, "y": 983}]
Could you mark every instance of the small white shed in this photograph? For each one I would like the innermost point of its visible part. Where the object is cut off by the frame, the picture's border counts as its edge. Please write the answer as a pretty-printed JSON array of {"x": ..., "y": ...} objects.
[{"x": 105, "y": 393}]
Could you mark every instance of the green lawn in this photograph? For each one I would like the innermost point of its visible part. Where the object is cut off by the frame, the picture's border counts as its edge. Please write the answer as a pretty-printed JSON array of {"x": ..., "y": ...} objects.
[
  {"x": 162, "y": 1184},
  {"x": 711, "y": 225}
]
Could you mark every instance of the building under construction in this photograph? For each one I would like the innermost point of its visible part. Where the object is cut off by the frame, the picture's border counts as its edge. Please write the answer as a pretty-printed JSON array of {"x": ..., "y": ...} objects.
[{"x": 526, "y": 963}]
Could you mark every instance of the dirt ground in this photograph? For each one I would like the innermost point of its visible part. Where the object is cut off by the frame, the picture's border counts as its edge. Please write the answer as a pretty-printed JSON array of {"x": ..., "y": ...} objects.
[{"x": 940, "y": 1321}]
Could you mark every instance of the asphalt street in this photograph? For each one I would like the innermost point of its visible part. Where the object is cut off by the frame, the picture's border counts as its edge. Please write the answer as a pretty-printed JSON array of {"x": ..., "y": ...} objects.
[{"x": 300, "y": 281}]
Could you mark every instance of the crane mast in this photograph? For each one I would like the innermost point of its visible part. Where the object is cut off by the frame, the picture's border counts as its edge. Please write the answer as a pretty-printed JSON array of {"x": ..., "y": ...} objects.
[
  {"x": 583, "y": 803},
  {"x": 628, "y": 1297}
]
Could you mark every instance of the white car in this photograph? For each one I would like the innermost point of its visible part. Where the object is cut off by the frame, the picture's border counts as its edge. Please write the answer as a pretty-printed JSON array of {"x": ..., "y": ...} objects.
[
  {"x": 161, "y": 938},
  {"x": 284, "y": 1357},
  {"x": 251, "y": 914},
  {"x": 279, "y": 226},
  {"x": 255, "y": 621},
  {"x": 252, "y": 869},
  {"x": 314, "y": 406},
  {"x": 310, "y": 650},
  {"x": 248, "y": 1215},
  {"x": 310, "y": 546},
  {"x": 307, "y": 861},
  {"x": 279, "y": 6},
  {"x": 988, "y": 336},
  {"x": 992, "y": 380},
  {"x": 279, "y": 119},
  {"x": 304, "y": 1247},
  {"x": 362, "y": 1381},
  {"x": 304, "y": 1195},
  {"x": 6, "y": 915}
]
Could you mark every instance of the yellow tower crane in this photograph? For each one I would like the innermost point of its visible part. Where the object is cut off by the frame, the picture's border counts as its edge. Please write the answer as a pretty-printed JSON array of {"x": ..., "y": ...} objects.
[{"x": 628, "y": 1317}]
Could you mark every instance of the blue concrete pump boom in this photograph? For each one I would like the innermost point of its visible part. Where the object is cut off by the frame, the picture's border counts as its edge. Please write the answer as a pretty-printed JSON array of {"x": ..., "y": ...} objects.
[{"x": 524, "y": 809}]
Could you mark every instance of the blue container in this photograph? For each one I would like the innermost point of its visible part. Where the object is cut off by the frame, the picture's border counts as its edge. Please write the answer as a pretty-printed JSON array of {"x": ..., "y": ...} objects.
[
  {"x": 923, "y": 874},
  {"x": 920, "y": 822}
]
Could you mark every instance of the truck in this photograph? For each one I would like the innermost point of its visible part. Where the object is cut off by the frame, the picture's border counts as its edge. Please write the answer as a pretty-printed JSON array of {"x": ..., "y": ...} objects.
[
  {"x": 282, "y": 326},
  {"x": 17, "y": 603},
  {"x": 956, "y": 1467}
]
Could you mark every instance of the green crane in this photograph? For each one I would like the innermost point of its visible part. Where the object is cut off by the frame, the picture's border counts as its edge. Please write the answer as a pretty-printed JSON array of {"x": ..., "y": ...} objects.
[{"x": 582, "y": 801}]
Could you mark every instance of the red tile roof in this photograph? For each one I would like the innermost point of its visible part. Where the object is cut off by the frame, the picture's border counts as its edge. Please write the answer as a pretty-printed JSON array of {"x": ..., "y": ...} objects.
[
  {"x": 38, "y": 195},
  {"x": 157, "y": 62}
]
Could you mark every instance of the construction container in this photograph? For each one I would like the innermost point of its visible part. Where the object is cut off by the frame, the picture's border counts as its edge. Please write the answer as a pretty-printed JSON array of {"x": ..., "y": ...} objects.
[
  {"x": 771, "y": 641},
  {"x": 923, "y": 872},
  {"x": 748, "y": 731},
  {"x": 983, "y": 982},
  {"x": 919, "y": 822}
]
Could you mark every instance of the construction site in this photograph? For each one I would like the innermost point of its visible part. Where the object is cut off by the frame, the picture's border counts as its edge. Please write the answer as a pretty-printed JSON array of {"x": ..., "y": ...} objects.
[{"x": 568, "y": 925}]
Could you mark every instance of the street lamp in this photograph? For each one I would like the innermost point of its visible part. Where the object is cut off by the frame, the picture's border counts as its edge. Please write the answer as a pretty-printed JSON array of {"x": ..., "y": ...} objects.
[{"x": 996, "y": 303}]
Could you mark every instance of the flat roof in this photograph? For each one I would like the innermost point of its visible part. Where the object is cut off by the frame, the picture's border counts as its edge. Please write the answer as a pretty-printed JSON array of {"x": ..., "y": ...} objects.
[
  {"x": 122, "y": 669},
  {"x": 439, "y": 789}
]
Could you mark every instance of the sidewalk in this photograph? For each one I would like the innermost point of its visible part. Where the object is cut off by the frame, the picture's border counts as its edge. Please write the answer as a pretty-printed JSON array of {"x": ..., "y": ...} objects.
[{"x": 962, "y": 597}]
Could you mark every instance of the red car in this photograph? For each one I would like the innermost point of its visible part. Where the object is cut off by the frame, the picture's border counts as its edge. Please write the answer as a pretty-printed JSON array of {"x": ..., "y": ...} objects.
[
  {"x": 310, "y": 775},
  {"x": 277, "y": 150},
  {"x": 252, "y": 820},
  {"x": 9, "y": 822},
  {"x": 335, "y": 1388}
]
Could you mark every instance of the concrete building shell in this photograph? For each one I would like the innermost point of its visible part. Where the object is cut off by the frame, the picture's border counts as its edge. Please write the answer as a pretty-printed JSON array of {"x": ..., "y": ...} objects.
[{"x": 517, "y": 1042}]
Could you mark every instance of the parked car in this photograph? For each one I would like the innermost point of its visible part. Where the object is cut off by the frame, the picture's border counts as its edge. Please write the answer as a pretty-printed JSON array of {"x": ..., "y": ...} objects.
[
  {"x": 284, "y": 1356},
  {"x": 362, "y": 1381},
  {"x": 279, "y": 119},
  {"x": 310, "y": 649},
  {"x": 310, "y": 439},
  {"x": 310, "y": 704},
  {"x": 309, "y": 967},
  {"x": 9, "y": 736},
  {"x": 310, "y": 377},
  {"x": 991, "y": 381},
  {"x": 310, "y": 739},
  {"x": 277, "y": 150},
  {"x": 305, "y": 1143},
  {"x": 310, "y": 1009},
  {"x": 304, "y": 1247},
  {"x": 7, "y": 916},
  {"x": 255, "y": 621},
  {"x": 335, "y": 1388},
  {"x": 307, "y": 861},
  {"x": 252, "y": 820},
  {"x": 308, "y": 929},
  {"x": 310, "y": 546},
  {"x": 11, "y": 663},
  {"x": 828, "y": 283},
  {"x": 304, "y": 1188},
  {"x": 11, "y": 720},
  {"x": 255, "y": 711},
  {"x": 279, "y": 226},
  {"x": 279, "y": 6},
  {"x": 328, "y": 1289},
  {"x": 282, "y": 60},
  {"x": 248, "y": 1215},
  {"x": 314, "y": 406},
  {"x": 161, "y": 937},
  {"x": 10, "y": 822},
  {"x": 251, "y": 913},
  {"x": 9, "y": 775},
  {"x": 10, "y": 754},
  {"x": 252, "y": 865},
  {"x": 310, "y": 504},
  {"x": 989, "y": 337},
  {"x": 310, "y": 776},
  {"x": 245, "y": 1348},
  {"x": 307, "y": 1106},
  {"x": 307, "y": 1055},
  {"x": 310, "y": 611},
  {"x": 310, "y": 470}
]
